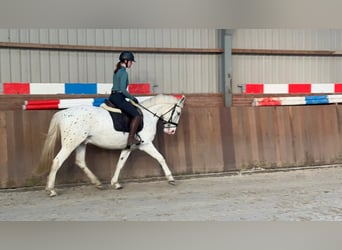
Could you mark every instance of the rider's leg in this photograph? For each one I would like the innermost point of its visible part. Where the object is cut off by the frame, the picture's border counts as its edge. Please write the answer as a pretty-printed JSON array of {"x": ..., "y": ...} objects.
[
  {"x": 133, "y": 129},
  {"x": 119, "y": 100}
]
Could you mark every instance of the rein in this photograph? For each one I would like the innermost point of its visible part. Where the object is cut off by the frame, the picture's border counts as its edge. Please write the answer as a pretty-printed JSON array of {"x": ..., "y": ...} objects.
[{"x": 161, "y": 116}]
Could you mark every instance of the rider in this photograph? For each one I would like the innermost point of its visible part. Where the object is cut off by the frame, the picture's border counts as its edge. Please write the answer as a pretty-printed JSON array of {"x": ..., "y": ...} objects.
[{"x": 119, "y": 93}]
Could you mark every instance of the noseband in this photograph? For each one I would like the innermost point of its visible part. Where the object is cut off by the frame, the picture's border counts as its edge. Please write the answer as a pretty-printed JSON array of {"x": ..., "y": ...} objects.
[{"x": 172, "y": 110}]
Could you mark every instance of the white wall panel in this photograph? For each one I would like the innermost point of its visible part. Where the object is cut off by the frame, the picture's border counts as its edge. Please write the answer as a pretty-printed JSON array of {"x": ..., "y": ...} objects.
[
  {"x": 287, "y": 39},
  {"x": 15, "y": 68},
  {"x": 170, "y": 72},
  {"x": 5, "y": 66},
  {"x": 286, "y": 69}
]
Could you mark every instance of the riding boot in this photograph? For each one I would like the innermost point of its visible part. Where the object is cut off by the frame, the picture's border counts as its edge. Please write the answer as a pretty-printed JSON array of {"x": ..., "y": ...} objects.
[{"x": 133, "y": 129}]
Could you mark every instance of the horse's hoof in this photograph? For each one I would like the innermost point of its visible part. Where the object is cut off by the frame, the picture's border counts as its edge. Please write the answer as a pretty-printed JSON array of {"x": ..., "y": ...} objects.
[
  {"x": 117, "y": 186},
  {"x": 172, "y": 182},
  {"x": 52, "y": 193},
  {"x": 100, "y": 187}
]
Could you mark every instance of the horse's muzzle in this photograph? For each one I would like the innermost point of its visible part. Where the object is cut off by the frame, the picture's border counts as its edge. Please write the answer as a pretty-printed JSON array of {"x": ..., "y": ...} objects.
[{"x": 170, "y": 131}]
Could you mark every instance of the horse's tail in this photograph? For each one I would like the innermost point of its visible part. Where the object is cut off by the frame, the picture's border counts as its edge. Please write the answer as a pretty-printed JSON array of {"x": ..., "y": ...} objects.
[{"x": 49, "y": 146}]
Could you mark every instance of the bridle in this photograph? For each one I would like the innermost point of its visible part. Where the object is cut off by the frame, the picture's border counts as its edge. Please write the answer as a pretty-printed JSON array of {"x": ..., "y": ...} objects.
[{"x": 161, "y": 117}]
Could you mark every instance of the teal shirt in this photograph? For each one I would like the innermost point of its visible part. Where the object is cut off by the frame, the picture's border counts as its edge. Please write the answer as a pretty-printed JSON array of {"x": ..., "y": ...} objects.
[{"x": 120, "y": 82}]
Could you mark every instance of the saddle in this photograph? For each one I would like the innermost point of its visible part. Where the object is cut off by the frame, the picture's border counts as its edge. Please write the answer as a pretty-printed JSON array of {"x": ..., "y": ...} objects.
[{"x": 121, "y": 120}]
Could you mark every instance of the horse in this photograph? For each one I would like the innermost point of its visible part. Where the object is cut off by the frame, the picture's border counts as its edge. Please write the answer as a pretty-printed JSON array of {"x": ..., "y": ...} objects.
[{"x": 77, "y": 126}]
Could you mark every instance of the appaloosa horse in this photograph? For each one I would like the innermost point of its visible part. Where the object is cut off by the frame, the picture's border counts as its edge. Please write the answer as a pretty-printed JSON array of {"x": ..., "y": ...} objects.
[{"x": 78, "y": 126}]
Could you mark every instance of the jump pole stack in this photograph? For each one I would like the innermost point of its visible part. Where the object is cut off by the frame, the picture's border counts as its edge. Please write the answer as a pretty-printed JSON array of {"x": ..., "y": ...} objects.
[
  {"x": 293, "y": 88},
  {"x": 311, "y": 89},
  {"x": 297, "y": 100},
  {"x": 61, "y": 103},
  {"x": 17, "y": 88},
  {"x": 27, "y": 88},
  {"x": 67, "y": 103}
]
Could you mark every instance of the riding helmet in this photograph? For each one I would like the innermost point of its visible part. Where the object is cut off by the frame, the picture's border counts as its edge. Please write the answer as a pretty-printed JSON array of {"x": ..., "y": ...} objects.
[{"x": 126, "y": 55}]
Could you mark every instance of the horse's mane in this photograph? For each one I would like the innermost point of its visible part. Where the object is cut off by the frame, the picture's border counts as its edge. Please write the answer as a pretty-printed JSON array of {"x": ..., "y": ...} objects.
[{"x": 160, "y": 99}]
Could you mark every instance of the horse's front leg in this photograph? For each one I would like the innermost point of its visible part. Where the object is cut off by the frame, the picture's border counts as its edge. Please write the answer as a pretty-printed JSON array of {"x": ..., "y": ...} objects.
[
  {"x": 121, "y": 162},
  {"x": 152, "y": 151}
]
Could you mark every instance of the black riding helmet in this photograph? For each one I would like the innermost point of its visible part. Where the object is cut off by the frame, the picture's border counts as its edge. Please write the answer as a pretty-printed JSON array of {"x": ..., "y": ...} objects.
[{"x": 126, "y": 55}]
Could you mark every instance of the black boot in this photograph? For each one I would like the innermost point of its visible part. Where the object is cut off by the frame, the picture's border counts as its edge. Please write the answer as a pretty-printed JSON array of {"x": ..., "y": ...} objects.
[{"x": 133, "y": 129}]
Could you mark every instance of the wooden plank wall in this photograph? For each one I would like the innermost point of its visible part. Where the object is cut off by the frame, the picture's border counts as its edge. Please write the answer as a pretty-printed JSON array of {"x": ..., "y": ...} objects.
[{"x": 210, "y": 139}]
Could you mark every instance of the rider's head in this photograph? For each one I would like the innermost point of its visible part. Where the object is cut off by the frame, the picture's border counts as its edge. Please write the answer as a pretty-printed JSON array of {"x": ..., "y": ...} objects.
[{"x": 127, "y": 58}]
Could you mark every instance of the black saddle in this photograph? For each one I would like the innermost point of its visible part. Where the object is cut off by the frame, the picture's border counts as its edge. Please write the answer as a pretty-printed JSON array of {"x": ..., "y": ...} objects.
[{"x": 121, "y": 120}]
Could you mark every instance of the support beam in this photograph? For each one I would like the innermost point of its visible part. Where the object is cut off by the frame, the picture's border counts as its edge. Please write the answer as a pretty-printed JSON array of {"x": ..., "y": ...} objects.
[
  {"x": 282, "y": 52},
  {"x": 90, "y": 48},
  {"x": 225, "y": 42}
]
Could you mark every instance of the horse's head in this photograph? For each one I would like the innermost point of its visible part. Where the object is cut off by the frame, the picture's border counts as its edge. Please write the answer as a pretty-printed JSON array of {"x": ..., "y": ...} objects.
[{"x": 171, "y": 117}]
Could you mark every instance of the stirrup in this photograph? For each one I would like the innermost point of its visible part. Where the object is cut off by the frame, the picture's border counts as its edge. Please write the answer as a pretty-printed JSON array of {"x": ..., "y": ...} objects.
[
  {"x": 138, "y": 138},
  {"x": 137, "y": 142}
]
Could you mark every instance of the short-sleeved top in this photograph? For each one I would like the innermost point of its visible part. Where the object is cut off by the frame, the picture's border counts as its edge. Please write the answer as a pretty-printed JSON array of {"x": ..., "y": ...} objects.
[{"x": 120, "y": 82}]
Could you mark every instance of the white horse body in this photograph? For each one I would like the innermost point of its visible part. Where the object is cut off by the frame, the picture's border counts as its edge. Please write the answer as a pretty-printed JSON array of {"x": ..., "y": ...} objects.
[
  {"x": 99, "y": 128},
  {"x": 81, "y": 125}
]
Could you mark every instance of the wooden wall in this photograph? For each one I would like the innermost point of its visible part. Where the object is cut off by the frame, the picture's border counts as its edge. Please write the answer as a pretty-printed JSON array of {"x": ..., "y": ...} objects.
[{"x": 210, "y": 139}]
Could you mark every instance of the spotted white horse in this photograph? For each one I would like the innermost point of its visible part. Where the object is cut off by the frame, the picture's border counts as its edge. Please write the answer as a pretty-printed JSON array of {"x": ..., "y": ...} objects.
[{"x": 77, "y": 126}]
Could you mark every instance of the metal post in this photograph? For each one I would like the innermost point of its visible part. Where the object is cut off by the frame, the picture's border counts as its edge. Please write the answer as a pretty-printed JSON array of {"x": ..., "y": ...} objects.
[{"x": 225, "y": 42}]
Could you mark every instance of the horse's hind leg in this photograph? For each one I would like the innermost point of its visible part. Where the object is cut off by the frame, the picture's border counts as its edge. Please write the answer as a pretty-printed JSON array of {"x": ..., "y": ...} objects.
[
  {"x": 80, "y": 161},
  {"x": 152, "y": 151},
  {"x": 122, "y": 160},
  {"x": 57, "y": 162}
]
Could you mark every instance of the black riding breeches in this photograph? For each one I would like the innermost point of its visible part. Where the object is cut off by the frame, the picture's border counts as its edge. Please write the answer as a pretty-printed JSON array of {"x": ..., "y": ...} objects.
[{"x": 119, "y": 100}]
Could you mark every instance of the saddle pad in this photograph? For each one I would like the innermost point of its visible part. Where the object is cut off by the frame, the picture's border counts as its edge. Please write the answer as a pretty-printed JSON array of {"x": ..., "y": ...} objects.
[{"x": 121, "y": 121}]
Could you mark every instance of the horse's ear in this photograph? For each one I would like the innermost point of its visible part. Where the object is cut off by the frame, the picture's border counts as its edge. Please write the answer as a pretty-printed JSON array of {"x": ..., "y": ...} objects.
[{"x": 182, "y": 99}]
